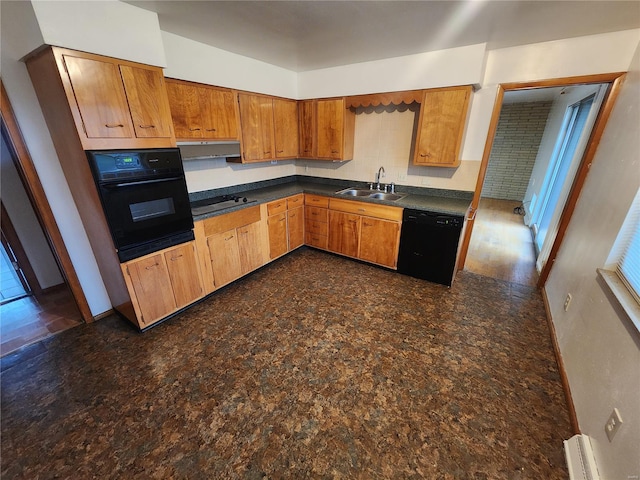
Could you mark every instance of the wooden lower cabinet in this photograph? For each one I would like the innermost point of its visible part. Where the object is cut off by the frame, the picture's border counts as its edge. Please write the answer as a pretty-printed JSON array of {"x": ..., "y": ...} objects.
[
  {"x": 316, "y": 221},
  {"x": 163, "y": 282},
  {"x": 285, "y": 224},
  {"x": 379, "y": 241},
  {"x": 225, "y": 257},
  {"x": 344, "y": 233},
  {"x": 295, "y": 223},
  {"x": 250, "y": 247}
]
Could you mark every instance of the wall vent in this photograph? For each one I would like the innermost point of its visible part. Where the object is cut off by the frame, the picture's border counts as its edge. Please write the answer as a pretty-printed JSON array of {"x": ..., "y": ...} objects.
[{"x": 580, "y": 460}]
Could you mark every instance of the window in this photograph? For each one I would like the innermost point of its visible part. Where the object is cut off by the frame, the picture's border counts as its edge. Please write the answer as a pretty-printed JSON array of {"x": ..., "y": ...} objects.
[{"x": 622, "y": 272}]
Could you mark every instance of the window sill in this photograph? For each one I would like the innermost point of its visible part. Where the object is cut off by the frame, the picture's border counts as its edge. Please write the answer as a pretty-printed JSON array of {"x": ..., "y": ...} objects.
[{"x": 620, "y": 291}]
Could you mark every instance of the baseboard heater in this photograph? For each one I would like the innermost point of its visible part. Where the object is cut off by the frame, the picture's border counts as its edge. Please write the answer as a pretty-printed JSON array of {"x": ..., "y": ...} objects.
[{"x": 580, "y": 460}]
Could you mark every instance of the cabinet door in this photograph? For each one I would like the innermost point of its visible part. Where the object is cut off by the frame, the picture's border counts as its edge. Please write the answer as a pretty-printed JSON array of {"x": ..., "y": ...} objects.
[
  {"x": 184, "y": 101},
  {"x": 256, "y": 123},
  {"x": 152, "y": 287},
  {"x": 250, "y": 247},
  {"x": 285, "y": 120},
  {"x": 147, "y": 101},
  {"x": 379, "y": 241},
  {"x": 330, "y": 128},
  {"x": 277, "y": 234},
  {"x": 344, "y": 233},
  {"x": 443, "y": 115},
  {"x": 218, "y": 111},
  {"x": 99, "y": 93},
  {"x": 182, "y": 265},
  {"x": 225, "y": 257},
  {"x": 295, "y": 223},
  {"x": 307, "y": 126}
]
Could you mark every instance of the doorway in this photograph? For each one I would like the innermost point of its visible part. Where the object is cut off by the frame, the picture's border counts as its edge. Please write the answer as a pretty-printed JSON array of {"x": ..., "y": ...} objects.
[
  {"x": 560, "y": 208},
  {"x": 49, "y": 301}
]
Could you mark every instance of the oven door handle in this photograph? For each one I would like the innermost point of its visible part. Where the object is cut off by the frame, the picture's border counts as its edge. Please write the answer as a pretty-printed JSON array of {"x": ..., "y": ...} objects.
[{"x": 141, "y": 182}]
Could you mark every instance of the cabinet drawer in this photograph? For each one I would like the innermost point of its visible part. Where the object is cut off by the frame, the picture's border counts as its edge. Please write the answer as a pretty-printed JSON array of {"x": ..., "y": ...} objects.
[
  {"x": 317, "y": 214},
  {"x": 367, "y": 209},
  {"x": 279, "y": 206},
  {"x": 316, "y": 201},
  {"x": 295, "y": 201},
  {"x": 228, "y": 221},
  {"x": 312, "y": 226},
  {"x": 316, "y": 240}
]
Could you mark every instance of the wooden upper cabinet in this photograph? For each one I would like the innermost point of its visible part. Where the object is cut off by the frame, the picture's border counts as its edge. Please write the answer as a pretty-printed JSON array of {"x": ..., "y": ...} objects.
[
  {"x": 256, "y": 123},
  {"x": 114, "y": 103},
  {"x": 147, "y": 101},
  {"x": 99, "y": 93},
  {"x": 184, "y": 101},
  {"x": 202, "y": 112},
  {"x": 285, "y": 120},
  {"x": 307, "y": 119},
  {"x": 219, "y": 113},
  {"x": 443, "y": 115},
  {"x": 335, "y": 128}
]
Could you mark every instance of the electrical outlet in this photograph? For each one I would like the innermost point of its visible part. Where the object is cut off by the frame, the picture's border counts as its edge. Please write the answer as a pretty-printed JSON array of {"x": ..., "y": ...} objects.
[
  {"x": 402, "y": 177},
  {"x": 425, "y": 181},
  {"x": 567, "y": 302},
  {"x": 613, "y": 424}
]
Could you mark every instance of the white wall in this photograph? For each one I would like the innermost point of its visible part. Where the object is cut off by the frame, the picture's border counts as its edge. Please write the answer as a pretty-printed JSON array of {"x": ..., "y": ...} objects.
[
  {"x": 197, "y": 62},
  {"x": 105, "y": 27},
  {"x": 25, "y": 223},
  {"x": 443, "y": 68},
  {"x": 599, "y": 344},
  {"x": 19, "y": 33}
]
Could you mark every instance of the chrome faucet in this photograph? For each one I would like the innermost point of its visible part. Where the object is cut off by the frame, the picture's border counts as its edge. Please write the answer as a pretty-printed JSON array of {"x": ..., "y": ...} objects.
[{"x": 378, "y": 175}]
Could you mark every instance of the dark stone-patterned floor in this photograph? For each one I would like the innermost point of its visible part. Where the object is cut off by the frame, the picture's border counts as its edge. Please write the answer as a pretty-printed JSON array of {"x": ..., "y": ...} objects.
[{"x": 313, "y": 367}]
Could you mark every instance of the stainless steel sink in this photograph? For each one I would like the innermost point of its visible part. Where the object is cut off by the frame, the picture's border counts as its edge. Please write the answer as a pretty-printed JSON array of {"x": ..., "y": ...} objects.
[
  {"x": 359, "y": 192},
  {"x": 386, "y": 196},
  {"x": 354, "y": 192}
]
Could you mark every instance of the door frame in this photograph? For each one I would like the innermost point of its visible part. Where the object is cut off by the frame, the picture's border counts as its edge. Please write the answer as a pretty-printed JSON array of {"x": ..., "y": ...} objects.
[
  {"x": 615, "y": 79},
  {"x": 33, "y": 186}
]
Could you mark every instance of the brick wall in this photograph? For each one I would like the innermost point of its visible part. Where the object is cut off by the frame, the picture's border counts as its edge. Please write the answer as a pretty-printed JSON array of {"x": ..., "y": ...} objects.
[{"x": 515, "y": 146}]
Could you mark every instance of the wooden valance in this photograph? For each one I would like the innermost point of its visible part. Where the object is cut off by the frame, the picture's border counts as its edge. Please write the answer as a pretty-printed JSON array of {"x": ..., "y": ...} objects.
[{"x": 384, "y": 99}]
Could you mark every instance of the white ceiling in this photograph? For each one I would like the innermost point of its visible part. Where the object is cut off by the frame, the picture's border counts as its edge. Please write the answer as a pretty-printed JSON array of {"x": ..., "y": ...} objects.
[{"x": 307, "y": 35}]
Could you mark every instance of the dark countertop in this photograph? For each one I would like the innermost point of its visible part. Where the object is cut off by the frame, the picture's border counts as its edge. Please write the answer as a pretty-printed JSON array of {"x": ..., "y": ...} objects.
[{"x": 440, "y": 201}]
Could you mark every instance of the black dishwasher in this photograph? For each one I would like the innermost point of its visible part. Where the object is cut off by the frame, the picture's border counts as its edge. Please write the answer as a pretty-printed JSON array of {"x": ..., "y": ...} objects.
[{"x": 429, "y": 245}]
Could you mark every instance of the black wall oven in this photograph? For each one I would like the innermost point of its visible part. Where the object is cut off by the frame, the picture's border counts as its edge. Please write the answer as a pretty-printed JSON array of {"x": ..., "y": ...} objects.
[{"x": 144, "y": 197}]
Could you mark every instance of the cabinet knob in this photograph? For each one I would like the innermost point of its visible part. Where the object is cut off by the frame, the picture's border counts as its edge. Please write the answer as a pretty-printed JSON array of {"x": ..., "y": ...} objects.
[{"x": 114, "y": 125}]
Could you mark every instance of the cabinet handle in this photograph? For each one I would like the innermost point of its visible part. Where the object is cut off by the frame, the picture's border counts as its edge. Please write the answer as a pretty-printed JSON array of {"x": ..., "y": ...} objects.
[
  {"x": 152, "y": 266},
  {"x": 334, "y": 151},
  {"x": 173, "y": 259},
  {"x": 146, "y": 126},
  {"x": 114, "y": 125},
  {"x": 315, "y": 213},
  {"x": 268, "y": 152},
  {"x": 210, "y": 129},
  {"x": 362, "y": 209},
  {"x": 282, "y": 219},
  {"x": 425, "y": 155},
  {"x": 194, "y": 129},
  {"x": 292, "y": 216},
  {"x": 365, "y": 224},
  {"x": 228, "y": 238},
  {"x": 280, "y": 151}
]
